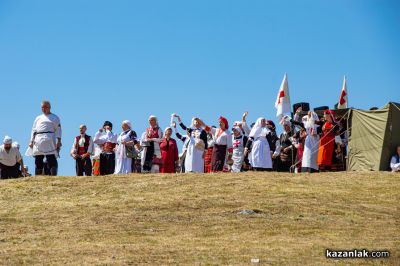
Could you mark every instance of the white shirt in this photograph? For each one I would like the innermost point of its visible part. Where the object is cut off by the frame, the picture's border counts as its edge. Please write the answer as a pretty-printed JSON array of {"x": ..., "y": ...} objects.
[
  {"x": 46, "y": 130},
  {"x": 222, "y": 137},
  {"x": 82, "y": 144},
  {"x": 46, "y": 123},
  {"x": 11, "y": 157},
  {"x": 103, "y": 137},
  {"x": 394, "y": 165}
]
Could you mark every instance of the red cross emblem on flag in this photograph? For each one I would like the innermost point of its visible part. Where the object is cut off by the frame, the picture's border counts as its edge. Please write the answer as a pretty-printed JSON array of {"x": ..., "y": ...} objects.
[
  {"x": 342, "y": 99},
  {"x": 280, "y": 96},
  {"x": 236, "y": 143}
]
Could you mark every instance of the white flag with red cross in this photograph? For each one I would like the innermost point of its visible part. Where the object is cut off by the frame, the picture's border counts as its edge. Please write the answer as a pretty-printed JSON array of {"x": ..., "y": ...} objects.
[
  {"x": 282, "y": 103},
  {"x": 343, "y": 102}
]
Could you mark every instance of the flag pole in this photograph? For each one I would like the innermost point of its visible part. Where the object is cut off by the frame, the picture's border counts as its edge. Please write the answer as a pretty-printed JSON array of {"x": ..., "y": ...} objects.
[{"x": 347, "y": 92}]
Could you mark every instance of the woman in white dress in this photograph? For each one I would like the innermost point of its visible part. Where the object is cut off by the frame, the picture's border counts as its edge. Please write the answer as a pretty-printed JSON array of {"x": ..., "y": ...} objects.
[
  {"x": 196, "y": 146},
  {"x": 311, "y": 144},
  {"x": 260, "y": 155},
  {"x": 123, "y": 164}
]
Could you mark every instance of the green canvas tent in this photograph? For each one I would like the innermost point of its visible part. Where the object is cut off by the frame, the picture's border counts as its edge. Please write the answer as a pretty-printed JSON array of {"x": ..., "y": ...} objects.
[{"x": 373, "y": 137}]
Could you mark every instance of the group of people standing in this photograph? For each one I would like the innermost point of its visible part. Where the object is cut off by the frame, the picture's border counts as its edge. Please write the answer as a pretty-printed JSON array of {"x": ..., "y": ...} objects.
[{"x": 307, "y": 144}]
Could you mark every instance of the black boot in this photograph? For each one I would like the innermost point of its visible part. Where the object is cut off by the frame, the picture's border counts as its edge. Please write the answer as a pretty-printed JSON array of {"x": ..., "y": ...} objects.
[
  {"x": 53, "y": 171},
  {"x": 38, "y": 171}
]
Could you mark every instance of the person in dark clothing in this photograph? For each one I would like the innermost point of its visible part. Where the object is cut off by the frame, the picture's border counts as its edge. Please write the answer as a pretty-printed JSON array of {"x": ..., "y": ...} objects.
[
  {"x": 287, "y": 149},
  {"x": 273, "y": 141},
  {"x": 107, "y": 139},
  {"x": 81, "y": 151}
]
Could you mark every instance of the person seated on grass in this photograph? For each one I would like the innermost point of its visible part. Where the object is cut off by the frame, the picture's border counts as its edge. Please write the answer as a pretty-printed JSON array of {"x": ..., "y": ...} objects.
[
  {"x": 395, "y": 162},
  {"x": 10, "y": 160}
]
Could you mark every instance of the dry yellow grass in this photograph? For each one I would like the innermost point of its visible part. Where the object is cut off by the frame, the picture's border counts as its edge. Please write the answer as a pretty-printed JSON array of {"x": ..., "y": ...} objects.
[{"x": 193, "y": 219}]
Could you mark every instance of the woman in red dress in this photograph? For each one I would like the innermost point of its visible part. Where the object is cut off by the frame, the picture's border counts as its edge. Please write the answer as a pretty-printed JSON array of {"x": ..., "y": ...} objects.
[
  {"x": 169, "y": 153},
  {"x": 327, "y": 141}
]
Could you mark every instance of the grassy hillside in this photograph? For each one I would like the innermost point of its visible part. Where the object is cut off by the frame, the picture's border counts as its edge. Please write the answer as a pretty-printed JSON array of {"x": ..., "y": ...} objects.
[{"x": 193, "y": 219}]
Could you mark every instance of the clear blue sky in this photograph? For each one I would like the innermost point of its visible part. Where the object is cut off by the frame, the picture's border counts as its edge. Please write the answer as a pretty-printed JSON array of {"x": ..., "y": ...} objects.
[{"x": 115, "y": 60}]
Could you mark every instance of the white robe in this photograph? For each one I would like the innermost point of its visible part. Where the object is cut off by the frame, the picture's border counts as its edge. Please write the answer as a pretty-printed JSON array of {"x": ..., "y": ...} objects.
[
  {"x": 310, "y": 153},
  {"x": 45, "y": 143},
  {"x": 260, "y": 155},
  {"x": 238, "y": 154},
  {"x": 123, "y": 164},
  {"x": 194, "y": 161}
]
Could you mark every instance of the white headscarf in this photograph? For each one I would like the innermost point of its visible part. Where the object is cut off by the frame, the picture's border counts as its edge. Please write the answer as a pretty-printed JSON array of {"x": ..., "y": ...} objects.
[
  {"x": 237, "y": 123},
  {"x": 285, "y": 121},
  {"x": 7, "y": 140},
  {"x": 258, "y": 130},
  {"x": 154, "y": 117},
  {"x": 128, "y": 123},
  {"x": 15, "y": 144}
]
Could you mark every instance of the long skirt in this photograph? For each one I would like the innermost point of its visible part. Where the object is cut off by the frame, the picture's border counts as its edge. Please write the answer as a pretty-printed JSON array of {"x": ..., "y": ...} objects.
[
  {"x": 218, "y": 158},
  {"x": 310, "y": 153},
  {"x": 207, "y": 160},
  {"x": 325, "y": 152},
  {"x": 260, "y": 155},
  {"x": 194, "y": 161},
  {"x": 107, "y": 163},
  {"x": 123, "y": 166}
]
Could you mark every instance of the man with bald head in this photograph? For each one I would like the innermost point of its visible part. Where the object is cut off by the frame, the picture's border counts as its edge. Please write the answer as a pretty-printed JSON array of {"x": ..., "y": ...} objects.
[
  {"x": 81, "y": 151},
  {"x": 46, "y": 139},
  {"x": 10, "y": 159}
]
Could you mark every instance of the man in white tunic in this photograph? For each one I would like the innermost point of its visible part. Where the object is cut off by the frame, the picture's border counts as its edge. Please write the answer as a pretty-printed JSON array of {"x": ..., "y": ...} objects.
[
  {"x": 10, "y": 160},
  {"x": 46, "y": 140}
]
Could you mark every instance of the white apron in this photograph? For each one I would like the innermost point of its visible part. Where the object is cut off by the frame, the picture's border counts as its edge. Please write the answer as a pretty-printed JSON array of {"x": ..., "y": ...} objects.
[
  {"x": 310, "y": 153},
  {"x": 260, "y": 155}
]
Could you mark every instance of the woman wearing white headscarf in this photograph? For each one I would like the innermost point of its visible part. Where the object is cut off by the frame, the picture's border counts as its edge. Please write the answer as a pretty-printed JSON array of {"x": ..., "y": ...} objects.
[
  {"x": 311, "y": 144},
  {"x": 197, "y": 145},
  {"x": 260, "y": 155},
  {"x": 150, "y": 141},
  {"x": 123, "y": 164}
]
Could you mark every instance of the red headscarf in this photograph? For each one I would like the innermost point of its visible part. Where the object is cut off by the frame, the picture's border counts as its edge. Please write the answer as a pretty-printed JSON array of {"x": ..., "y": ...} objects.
[
  {"x": 332, "y": 115},
  {"x": 225, "y": 121}
]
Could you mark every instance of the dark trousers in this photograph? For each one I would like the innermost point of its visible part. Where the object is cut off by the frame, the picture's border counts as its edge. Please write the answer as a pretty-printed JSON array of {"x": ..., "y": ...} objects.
[
  {"x": 51, "y": 165},
  {"x": 9, "y": 171},
  {"x": 83, "y": 166},
  {"x": 107, "y": 163}
]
